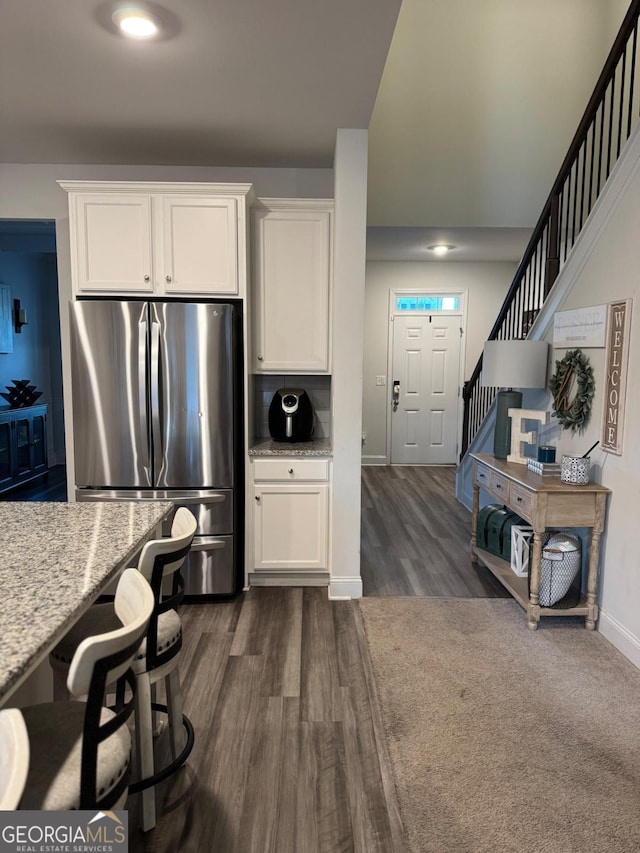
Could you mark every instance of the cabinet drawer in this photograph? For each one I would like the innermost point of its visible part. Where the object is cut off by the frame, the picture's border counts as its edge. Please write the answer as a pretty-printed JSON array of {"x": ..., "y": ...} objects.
[
  {"x": 521, "y": 501},
  {"x": 483, "y": 476},
  {"x": 499, "y": 486},
  {"x": 290, "y": 469}
]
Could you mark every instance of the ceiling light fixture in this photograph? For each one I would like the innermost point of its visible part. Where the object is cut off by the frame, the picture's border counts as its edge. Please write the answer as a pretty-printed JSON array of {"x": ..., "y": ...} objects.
[
  {"x": 136, "y": 23},
  {"x": 440, "y": 249}
]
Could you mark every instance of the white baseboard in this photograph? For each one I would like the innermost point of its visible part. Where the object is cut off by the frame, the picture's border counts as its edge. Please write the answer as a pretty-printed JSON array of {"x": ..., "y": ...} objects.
[
  {"x": 626, "y": 642},
  {"x": 341, "y": 589},
  {"x": 374, "y": 460}
]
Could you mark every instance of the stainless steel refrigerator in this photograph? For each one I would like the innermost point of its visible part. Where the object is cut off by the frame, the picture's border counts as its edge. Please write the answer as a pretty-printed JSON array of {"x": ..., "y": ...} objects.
[{"x": 156, "y": 416}]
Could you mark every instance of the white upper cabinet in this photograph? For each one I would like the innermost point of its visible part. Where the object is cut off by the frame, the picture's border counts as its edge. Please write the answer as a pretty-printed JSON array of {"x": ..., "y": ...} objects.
[
  {"x": 292, "y": 269},
  {"x": 112, "y": 242},
  {"x": 199, "y": 246},
  {"x": 160, "y": 239}
]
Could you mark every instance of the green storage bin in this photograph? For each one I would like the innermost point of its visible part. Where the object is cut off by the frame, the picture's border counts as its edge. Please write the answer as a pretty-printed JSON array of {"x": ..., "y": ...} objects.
[{"x": 494, "y": 530}]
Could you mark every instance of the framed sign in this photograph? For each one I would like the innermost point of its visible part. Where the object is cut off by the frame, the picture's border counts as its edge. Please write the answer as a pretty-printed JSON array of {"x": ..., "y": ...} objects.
[
  {"x": 581, "y": 327},
  {"x": 615, "y": 376}
]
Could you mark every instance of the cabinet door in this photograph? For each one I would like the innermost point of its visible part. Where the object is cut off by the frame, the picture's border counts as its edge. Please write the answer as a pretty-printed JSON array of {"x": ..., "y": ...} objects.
[
  {"x": 39, "y": 442},
  {"x": 198, "y": 251},
  {"x": 291, "y": 527},
  {"x": 6, "y": 455},
  {"x": 113, "y": 243},
  {"x": 292, "y": 272},
  {"x": 24, "y": 450}
]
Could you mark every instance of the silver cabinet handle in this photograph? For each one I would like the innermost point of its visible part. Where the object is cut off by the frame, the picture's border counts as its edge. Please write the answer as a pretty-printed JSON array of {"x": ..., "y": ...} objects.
[
  {"x": 260, "y": 358},
  {"x": 291, "y": 470},
  {"x": 258, "y": 498},
  {"x": 147, "y": 278},
  {"x": 167, "y": 278}
]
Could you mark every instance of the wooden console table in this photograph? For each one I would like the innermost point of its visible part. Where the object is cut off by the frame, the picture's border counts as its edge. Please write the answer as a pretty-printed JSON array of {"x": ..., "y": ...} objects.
[{"x": 544, "y": 502}]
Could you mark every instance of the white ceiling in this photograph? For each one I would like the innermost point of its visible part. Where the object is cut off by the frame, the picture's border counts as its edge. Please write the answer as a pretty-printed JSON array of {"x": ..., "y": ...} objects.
[
  {"x": 238, "y": 82},
  {"x": 477, "y": 104},
  {"x": 470, "y": 244}
]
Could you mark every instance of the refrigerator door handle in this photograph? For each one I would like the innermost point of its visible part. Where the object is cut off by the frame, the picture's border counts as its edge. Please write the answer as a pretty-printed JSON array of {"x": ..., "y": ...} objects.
[
  {"x": 142, "y": 386},
  {"x": 206, "y": 543},
  {"x": 156, "y": 431},
  {"x": 210, "y": 499}
]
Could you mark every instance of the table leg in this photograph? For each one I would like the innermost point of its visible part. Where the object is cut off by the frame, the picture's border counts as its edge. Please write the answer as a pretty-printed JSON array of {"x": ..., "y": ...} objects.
[
  {"x": 474, "y": 521},
  {"x": 533, "y": 610},
  {"x": 592, "y": 582}
]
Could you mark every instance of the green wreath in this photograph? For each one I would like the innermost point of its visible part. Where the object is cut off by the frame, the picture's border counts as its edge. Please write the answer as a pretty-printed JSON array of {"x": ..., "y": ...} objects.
[{"x": 574, "y": 414}]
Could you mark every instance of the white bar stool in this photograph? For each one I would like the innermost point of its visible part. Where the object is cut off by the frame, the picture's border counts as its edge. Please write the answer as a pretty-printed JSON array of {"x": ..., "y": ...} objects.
[
  {"x": 14, "y": 757},
  {"x": 81, "y": 750},
  {"x": 156, "y": 660}
]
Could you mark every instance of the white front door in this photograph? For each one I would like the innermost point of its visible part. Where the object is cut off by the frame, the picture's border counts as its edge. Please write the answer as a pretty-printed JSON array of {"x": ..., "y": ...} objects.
[{"x": 426, "y": 365}]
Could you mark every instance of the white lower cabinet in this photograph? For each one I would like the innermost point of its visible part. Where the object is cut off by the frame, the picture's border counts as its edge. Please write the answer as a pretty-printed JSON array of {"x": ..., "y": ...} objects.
[{"x": 291, "y": 515}]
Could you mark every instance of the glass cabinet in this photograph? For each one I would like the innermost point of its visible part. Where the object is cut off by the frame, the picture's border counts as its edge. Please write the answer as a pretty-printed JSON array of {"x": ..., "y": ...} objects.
[{"x": 23, "y": 445}]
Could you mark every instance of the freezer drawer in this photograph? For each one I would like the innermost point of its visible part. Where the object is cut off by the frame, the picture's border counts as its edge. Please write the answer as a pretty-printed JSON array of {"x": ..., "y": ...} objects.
[
  {"x": 214, "y": 513},
  {"x": 213, "y": 508},
  {"x": 209, "y": 567}
]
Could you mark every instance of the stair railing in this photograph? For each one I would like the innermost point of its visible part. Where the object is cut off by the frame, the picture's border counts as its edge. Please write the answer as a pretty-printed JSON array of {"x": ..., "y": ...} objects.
[{"x": 611, "y": 114}]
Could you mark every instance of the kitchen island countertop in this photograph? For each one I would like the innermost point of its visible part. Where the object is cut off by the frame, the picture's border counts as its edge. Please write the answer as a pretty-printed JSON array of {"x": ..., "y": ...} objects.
[
  {"x": 269, "y": 447},
  {"x": 56, "y": 560}
]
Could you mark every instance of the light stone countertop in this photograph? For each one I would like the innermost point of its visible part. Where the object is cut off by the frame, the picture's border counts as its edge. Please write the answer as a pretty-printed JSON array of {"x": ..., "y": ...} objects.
[
  {"x": 269, "y": 447},
  {"x": 56, "y": 559}
]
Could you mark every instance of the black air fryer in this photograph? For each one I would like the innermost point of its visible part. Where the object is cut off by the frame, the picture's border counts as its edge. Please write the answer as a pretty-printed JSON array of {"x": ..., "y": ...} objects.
[{"x": 291, "y": 415}]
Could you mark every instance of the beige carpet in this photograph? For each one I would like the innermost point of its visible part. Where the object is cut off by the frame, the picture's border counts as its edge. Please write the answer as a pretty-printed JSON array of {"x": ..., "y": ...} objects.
[{"x": 505, "y": 739}]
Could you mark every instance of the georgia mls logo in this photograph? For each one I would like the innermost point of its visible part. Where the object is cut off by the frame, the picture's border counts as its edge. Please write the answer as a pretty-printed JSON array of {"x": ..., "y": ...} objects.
[{"x": 63, "y": 832}]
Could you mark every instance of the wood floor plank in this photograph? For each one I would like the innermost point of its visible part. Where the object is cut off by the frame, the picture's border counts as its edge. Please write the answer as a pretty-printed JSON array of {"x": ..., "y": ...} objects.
[
  {"x": 320, "y": 685},
  {"x": 260, "y": 812},
  {"x": 397, "y": 842},
  {"x": 373, "y": 831},
  {"x": 323, "y": 822},
  {"x": 283, "y": 632},
  {"x": 286, "y": 840},
  {"x": 226, "y": 765}
]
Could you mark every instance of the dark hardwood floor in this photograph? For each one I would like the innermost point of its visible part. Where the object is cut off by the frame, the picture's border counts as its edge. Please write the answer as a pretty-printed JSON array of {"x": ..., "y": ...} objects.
[
  {"x": 415, "y": 536},
  {"x": 289, "y": 754}
]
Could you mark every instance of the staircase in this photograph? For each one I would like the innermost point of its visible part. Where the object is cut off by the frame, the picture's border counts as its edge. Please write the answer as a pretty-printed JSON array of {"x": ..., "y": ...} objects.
[{"x": 611, "y": 116}]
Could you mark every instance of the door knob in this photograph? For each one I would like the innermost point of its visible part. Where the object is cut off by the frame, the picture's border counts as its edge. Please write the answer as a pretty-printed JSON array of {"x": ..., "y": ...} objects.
[{"x": 395, "y": 396}]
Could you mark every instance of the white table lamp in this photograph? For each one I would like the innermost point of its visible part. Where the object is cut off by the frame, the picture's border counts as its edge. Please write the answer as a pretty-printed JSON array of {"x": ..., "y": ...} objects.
[{"x": 509, "y": 365}]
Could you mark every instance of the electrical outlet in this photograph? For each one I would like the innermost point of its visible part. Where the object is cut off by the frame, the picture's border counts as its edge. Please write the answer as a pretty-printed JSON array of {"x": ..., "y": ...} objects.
[{"x": 381, "y": 380}]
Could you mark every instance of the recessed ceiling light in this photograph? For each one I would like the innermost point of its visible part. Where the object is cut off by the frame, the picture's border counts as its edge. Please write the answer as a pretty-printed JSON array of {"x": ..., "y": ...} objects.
[
  {"x": 440, "y": 249},
  {"x": 136, "y": 23}
]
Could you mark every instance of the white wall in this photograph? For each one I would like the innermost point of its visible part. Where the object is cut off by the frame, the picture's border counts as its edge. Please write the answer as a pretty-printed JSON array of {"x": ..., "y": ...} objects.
[
  {"x": 36, "y": 350},
  {"x": 350, "y": 199},
  {"x": 481, "y": 100},
  {"x": 610, "y": 272},
  {"x": 487, "y": 284}
]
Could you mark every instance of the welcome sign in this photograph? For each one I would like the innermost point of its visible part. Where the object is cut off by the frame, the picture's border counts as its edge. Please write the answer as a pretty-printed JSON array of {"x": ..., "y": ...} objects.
[
  {"x": 615, "y": 380},
  {"x": 64, "y": 832}
]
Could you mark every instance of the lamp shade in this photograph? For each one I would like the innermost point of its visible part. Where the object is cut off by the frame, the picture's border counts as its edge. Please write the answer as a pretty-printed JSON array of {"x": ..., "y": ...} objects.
[{"x": 515, "y": 364}]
